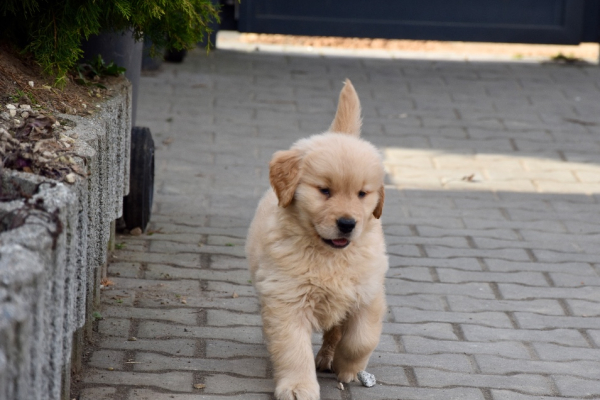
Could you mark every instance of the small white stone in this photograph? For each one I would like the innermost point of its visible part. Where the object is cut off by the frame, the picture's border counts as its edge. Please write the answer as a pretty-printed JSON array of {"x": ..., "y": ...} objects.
[
  {"x": 31, "y": 83},
  {"x": 70, "y": 178},
  {"x": 12, "y": 112},
  {"x": 25, "y": 114},
  {"x": 25, "y": 107},
  {"x": 11, "y": 107},
  {"x": 367, "y": 379}
]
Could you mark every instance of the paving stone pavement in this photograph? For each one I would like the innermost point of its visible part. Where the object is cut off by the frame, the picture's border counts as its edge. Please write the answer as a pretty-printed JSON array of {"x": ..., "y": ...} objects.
[{"x": 492, "y": 225}]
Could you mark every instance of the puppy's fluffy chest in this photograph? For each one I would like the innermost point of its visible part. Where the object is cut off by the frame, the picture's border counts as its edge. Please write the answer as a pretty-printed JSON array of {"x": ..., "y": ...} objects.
[{"x": 327, "y": 288}]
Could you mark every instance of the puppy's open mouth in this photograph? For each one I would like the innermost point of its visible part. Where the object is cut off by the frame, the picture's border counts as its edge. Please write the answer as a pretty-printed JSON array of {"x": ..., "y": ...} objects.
[{"x": 337, "y": 243}]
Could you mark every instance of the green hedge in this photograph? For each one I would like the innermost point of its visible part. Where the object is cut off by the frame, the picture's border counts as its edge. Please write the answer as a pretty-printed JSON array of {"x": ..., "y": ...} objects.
[{"x": 52, "y": 30}]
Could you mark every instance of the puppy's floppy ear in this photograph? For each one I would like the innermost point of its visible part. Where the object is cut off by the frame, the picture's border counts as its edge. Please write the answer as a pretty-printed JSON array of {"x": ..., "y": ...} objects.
[
  {"x": 284, "y": 174},
  {"x": 347, "y": 118},
  {"x": 379, "y": 207}
]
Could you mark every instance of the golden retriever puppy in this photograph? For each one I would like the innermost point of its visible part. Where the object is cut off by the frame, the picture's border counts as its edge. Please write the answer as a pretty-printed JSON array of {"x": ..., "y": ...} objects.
[{"x": 317, "y": 254}]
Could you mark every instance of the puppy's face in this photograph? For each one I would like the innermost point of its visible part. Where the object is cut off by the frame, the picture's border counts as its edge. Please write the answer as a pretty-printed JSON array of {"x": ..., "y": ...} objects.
[
  {"x": 332, "y": 184},
  {"x": 340, "y": 188}
]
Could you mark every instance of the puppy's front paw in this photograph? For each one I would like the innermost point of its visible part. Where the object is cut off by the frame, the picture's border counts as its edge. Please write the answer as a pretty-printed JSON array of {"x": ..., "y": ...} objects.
[
  {"x": 345, "y": 371},
  {"x": 346, "y": 376},
  {"x": 297, "y": 391}
]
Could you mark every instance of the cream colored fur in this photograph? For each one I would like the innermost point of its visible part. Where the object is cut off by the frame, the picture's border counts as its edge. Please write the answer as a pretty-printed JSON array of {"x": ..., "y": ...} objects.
[{"x": 306, "y": 284}]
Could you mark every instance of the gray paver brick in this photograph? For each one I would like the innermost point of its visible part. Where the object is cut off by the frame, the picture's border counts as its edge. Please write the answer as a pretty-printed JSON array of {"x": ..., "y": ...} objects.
[
  {"x": 511, "y": 266},
  {"x": 535, "y": 384},
  {"x": 493, "y": 319},
  {"x": 224, "y": 262},
  {"x": 576, "y": 387},
  {"x": 180, "y": 316},
  {"x": 476, "y": 290},
  {"x": 104, "y": 359},
  {"x": 536, "y": 321},
  {"x": 126, "y": 270},
  {"x": 410, "y": 273},
  {"x": 505, "y": 253},
  {"x": 554, "y": 352},
  {"x": 98, "y": 393},
  {"x": 512, "y": 291},
  {"x": 453, "y": 241},
  {"x": 540, "y": 306},
  {"x": 145, "y": 394},
  {"x": 413, "y": 393},
  {"x": 543, "y": 225},
  {"x": 226, "y": 288},
  {"x": 216, "y": 300},
  {"x": 418, "y": 301},
  {"x": 450, "y": 362},
  {"x": 114, "y": 327},
  {"x": 570, "y": 280},
  {"x": 584, "y": 308},
  {"x": 157, "y": 362},
  {"x": 184, "y": 260},
  {"x": 527, "y": 278},
  {"x": 505, "y": 234},
  {"x": 558, "y": 256},
  {"x": 498, "y": 365},
  {"x": 470, "y": 264},
  {"x": 231, "y": 384},
  {"x": 404, "y": 250},
  {"x": 442, "y": 331},
  {"x": 229, "y": 349},
  {"x": 157, "y": 286},
  {"x": 173, "y": 381},
  {"x": 182, "y": 248},
  {"x": 568, "y": 337},
  {"x": 227, "y": 318},
  {"x": 119, "y": 297},
  {"x": 246, "y": 334},
  {"x": 510, "y": 395},
  {"x": 183, "y": 347},
  {"x": 420, "y": 345},
  {"x": 160, "y": 271}
]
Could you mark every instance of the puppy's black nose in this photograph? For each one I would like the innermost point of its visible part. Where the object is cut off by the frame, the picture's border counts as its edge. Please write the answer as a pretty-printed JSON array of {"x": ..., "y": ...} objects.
[{"x": 345, "y": 225}]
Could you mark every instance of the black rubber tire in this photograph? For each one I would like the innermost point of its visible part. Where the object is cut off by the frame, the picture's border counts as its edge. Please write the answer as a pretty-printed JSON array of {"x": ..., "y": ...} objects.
[{"x": 137, "y": 205}]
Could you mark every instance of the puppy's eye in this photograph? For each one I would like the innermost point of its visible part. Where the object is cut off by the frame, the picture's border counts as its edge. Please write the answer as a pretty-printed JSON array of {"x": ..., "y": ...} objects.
[
  {"x": 361, "y": 194},
  {"x": 325, "y": 191}
]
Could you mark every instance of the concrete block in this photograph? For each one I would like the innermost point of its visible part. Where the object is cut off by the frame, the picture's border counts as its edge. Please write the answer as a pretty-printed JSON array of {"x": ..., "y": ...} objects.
[
  {"x": 3, "y": 387},
  {"x": 53, "y": 240}
]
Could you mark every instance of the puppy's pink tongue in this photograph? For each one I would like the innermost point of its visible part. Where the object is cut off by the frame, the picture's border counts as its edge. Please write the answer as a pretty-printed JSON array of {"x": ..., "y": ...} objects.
[{"x": 340, "y": 242}]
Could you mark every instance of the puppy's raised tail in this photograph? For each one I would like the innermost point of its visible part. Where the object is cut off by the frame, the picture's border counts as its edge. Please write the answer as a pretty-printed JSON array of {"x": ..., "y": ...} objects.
[{"x": 347, "y": 118}]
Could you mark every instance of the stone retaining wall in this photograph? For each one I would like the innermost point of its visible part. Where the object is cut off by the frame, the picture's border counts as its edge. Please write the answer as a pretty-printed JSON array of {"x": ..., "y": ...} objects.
[{"x": 53, "y": 246}]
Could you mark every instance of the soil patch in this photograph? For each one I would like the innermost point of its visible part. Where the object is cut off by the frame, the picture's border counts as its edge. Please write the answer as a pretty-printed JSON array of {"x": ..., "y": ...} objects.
[
  {"x": 22, "y": 81},
  {"x": 32, "y": 138}
]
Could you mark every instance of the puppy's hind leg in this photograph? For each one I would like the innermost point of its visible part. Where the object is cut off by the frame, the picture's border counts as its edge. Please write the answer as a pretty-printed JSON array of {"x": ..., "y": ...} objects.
[
  {"x": 360, "y": 336},
  {"x": 324, "y": 357},
  {"x": 289, "y": 342}
]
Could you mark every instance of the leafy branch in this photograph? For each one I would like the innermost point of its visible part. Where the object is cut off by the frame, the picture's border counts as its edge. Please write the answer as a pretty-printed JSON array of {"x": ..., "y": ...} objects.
[{"x": 52, "y": 31}]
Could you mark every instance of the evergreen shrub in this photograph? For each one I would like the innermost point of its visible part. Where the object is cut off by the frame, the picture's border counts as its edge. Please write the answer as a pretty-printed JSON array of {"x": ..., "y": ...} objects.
[{"x": 53, "y": 30}]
